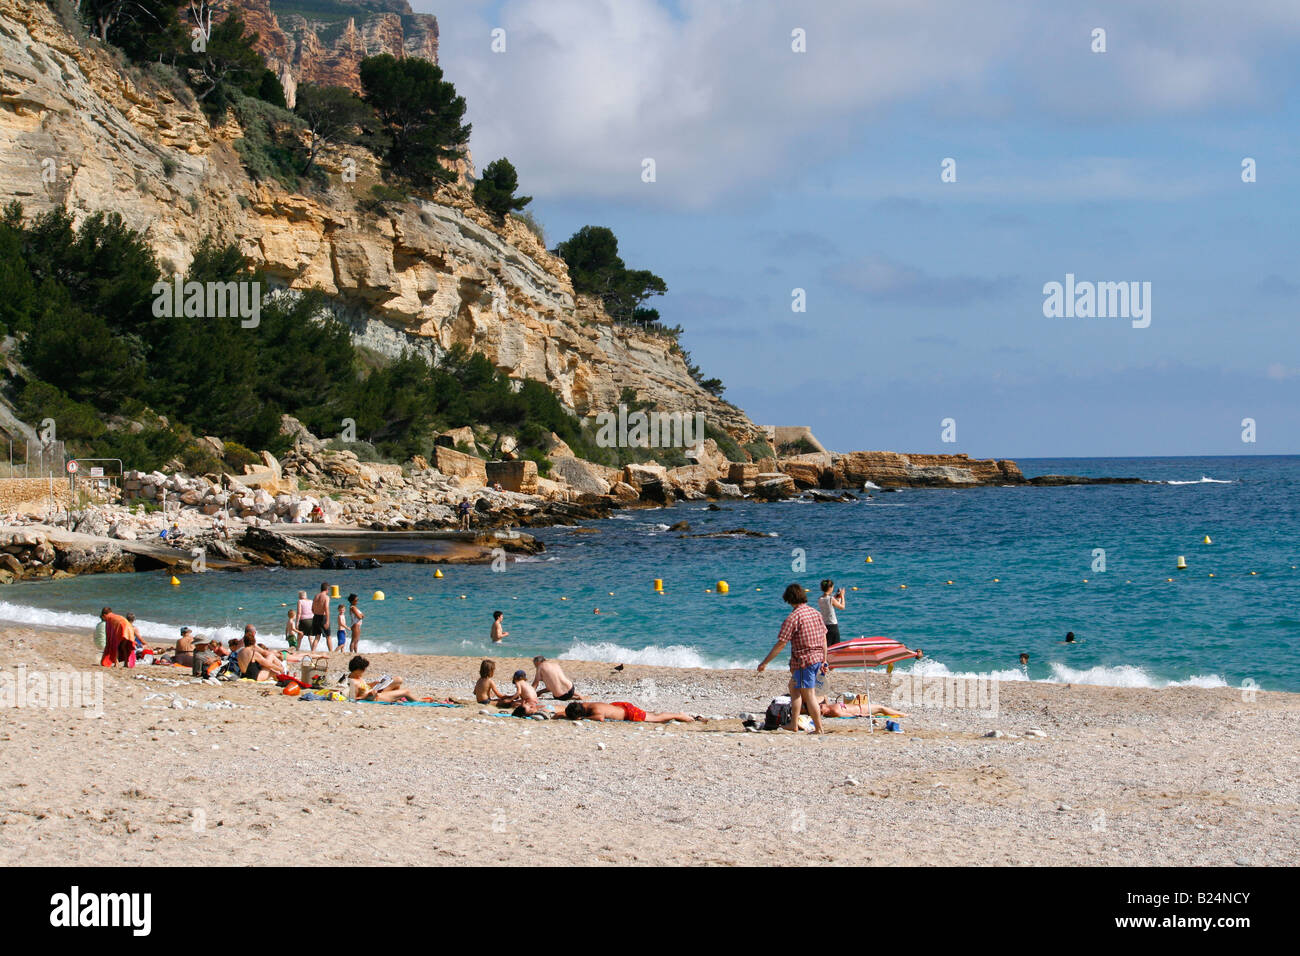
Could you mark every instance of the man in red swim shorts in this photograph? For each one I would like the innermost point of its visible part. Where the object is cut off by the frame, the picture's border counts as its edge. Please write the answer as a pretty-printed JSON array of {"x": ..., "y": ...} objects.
[{"x": 620, "y": 710}]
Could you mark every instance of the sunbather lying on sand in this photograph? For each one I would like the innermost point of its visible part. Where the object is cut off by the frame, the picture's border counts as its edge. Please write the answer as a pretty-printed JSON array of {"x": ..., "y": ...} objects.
[
  {"x": 620, "y": 710},
  {"x": 358, "y": 689},
  {"x": 856, "y": 708}
]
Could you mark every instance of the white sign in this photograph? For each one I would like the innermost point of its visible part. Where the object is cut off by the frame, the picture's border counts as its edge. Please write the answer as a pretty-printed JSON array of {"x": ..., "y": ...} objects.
[{"x": 96, "y": 472}]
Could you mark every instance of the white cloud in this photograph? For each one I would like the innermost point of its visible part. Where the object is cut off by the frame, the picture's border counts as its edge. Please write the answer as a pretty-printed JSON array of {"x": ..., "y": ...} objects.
[{"x": 714, "y": 94}]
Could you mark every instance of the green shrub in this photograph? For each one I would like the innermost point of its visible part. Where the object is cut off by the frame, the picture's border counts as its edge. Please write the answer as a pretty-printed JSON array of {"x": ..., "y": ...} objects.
[{"x": 236, "y": 456}]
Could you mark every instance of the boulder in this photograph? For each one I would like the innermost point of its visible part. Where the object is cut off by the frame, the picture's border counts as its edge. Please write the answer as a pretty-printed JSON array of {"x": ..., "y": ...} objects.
[
  {"x": 463, "y": 436},
  {"x": 805, "y": 474},
  {"x": 624, "y": 492},
  {"x": 722, "y": 489},
  {"x": 774, "y": 487},
  {"x": 558, "y": 448},
  {"x": 284, "y": 549},
  {"x": 581, "y": 476},
  {"x": 742, "y": 473},
  {"x": 459, "y": 465},
  {"x": 519, "y": 476},
  {"x": 640, "y": 475}
]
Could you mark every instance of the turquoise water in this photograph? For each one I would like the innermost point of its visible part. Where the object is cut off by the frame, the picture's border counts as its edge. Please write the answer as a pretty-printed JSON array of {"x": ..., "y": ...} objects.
[{"x": 1136, "y": 627}]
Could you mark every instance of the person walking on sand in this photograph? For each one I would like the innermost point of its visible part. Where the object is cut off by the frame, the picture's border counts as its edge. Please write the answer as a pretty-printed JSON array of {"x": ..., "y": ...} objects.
[
  {"x": 805, "y": 632},
  {"x": 119, "y": 641},
  {"x": 827, "y": 604},
  {"x": 553, "y": 679},
  {"x": 356, "y": 615},
  {"x": 498, "y": 633},
  {"x": 320, "y": 617}
]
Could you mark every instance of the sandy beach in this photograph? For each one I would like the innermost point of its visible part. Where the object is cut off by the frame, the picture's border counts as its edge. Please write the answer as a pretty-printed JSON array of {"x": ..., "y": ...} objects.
[{"x": 1181, "y": 776}]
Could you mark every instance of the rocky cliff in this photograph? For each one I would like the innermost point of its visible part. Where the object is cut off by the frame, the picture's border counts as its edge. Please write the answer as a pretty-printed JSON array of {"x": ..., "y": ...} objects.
[
  {"x": 81, "y": 132},
  {"x": 324, "y": 41}
]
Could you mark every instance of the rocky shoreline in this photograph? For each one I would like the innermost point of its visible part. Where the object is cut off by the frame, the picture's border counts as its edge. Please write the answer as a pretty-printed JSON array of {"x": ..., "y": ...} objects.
[{"x": 316, "y": 507}]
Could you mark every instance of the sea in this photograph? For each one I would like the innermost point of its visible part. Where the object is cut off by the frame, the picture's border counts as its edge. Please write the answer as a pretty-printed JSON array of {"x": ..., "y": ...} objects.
[{"x": 975, "y": 577}]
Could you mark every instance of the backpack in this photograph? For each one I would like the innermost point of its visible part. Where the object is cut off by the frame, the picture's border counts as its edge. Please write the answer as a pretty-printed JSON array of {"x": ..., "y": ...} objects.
[{"x": 778, "y": 714}]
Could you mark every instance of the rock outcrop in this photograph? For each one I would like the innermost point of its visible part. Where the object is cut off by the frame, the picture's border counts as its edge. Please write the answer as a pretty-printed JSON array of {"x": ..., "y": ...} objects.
[
  {"x": 81, "y": 134},
  {"x": 327, "y": 48},
  {"x": 887, "y": 469}
]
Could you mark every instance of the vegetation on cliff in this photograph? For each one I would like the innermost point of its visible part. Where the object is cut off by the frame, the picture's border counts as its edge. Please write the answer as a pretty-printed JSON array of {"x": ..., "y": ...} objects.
[{"x": 95, "y": 358}]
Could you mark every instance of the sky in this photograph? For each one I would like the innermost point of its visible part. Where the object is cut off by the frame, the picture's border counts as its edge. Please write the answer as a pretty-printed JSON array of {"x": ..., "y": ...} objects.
[{"x": 822, "y": 170}]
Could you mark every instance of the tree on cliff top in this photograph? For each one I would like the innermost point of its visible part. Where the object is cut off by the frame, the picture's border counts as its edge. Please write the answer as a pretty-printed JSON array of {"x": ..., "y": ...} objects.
[
  {"x": 333, "y": 114},
  {"x": 225, "y": 62},
  {"x": 596, "y": 269},
  {"x": 495, "y": 191},
  {"x": 420, "y": 111}
]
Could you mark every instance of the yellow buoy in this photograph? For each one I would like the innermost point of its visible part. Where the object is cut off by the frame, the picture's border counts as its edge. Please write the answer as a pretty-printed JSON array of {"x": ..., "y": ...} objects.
[
  {"x": 1169, "y": 580},
  {"x": 437, "y": 573},
  {"x": 176, "y": 582},
  {"x": 723, "y": 587},
  {"x": 410, "y": 599},
  {"x": 563, "y": 599},
  {"x": 377, "y": 596},
  {"x": 854, "y": 588},
  {"x": 902, "y": 587},
  {"x": 1211, "y": 574},
  {"x": 610, "y": 593},
  {"x": 1085, "y": 580},
  {"x": 659, "y": 584},
  {"x": 868, "y": 561},
  {"x": 948, "y": 582},
  {"x": 334, "y": 590},
  {"x": 996, "y": 580},
  {"x": 1182, "y": 563},
  {"x": 1207, "y": 540},
  {"x": 1254, "y": 572}
]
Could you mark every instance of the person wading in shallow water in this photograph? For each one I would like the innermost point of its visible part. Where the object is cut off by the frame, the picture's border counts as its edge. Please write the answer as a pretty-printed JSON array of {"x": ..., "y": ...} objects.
[
  {"x": 805, "y": 632},
  {"x": 827, "y": 604}
]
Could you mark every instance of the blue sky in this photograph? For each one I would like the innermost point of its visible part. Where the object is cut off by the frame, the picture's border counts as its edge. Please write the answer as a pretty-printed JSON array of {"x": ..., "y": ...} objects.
[{"x": 821, "y": 170}]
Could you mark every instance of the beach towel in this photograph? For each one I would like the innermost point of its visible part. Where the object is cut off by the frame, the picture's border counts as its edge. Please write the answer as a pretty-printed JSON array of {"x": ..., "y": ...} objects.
[{"x": 409, "y": 703}]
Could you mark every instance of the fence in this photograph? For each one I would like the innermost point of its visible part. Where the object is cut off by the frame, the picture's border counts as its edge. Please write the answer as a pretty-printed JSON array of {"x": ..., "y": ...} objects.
[{"x": 34, "y": 459}]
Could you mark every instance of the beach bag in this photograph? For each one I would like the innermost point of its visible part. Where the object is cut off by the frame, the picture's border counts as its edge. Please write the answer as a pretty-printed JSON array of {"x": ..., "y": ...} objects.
[
  {"x": 313, "y": 671},
  {"x": 778, "y": 714}
]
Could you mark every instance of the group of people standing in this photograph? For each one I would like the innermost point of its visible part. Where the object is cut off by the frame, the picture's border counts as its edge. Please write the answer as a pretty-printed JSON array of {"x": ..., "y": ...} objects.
[{"x": 309, "y": 621}]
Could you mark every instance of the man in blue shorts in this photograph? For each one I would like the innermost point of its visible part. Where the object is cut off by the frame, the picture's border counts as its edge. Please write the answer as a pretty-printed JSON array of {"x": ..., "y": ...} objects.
[{"x": 805, "y": 631}]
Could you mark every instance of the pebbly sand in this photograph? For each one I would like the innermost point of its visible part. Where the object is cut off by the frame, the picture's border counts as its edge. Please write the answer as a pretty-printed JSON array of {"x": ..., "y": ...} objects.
[{"x": 1122, "y": 776}]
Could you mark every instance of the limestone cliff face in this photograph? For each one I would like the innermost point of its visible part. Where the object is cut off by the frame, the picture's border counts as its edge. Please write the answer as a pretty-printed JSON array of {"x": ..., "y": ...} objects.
[
  {"x": 81, "y": 133},
  {"x": 326, "y": 47}
]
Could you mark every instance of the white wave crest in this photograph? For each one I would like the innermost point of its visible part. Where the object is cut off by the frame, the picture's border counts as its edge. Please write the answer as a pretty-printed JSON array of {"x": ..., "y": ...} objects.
[
  {"x": 1203, "y": 480},
  {"x": 674, "y": 655}
]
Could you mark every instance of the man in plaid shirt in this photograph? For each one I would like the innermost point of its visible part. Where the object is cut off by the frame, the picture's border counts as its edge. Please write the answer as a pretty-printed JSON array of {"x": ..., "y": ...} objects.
[{"x": 805, "y": 631}]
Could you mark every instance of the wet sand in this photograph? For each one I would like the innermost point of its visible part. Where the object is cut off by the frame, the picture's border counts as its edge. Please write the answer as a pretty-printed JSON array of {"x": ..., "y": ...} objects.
[{"x": 1119, "y": 776}]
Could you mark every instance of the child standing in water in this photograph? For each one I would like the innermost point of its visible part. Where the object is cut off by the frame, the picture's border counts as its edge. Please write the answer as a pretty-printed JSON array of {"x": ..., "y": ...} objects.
[
  {"x": 343, "y": 625},
  {"x": 356, "y": 623}
]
